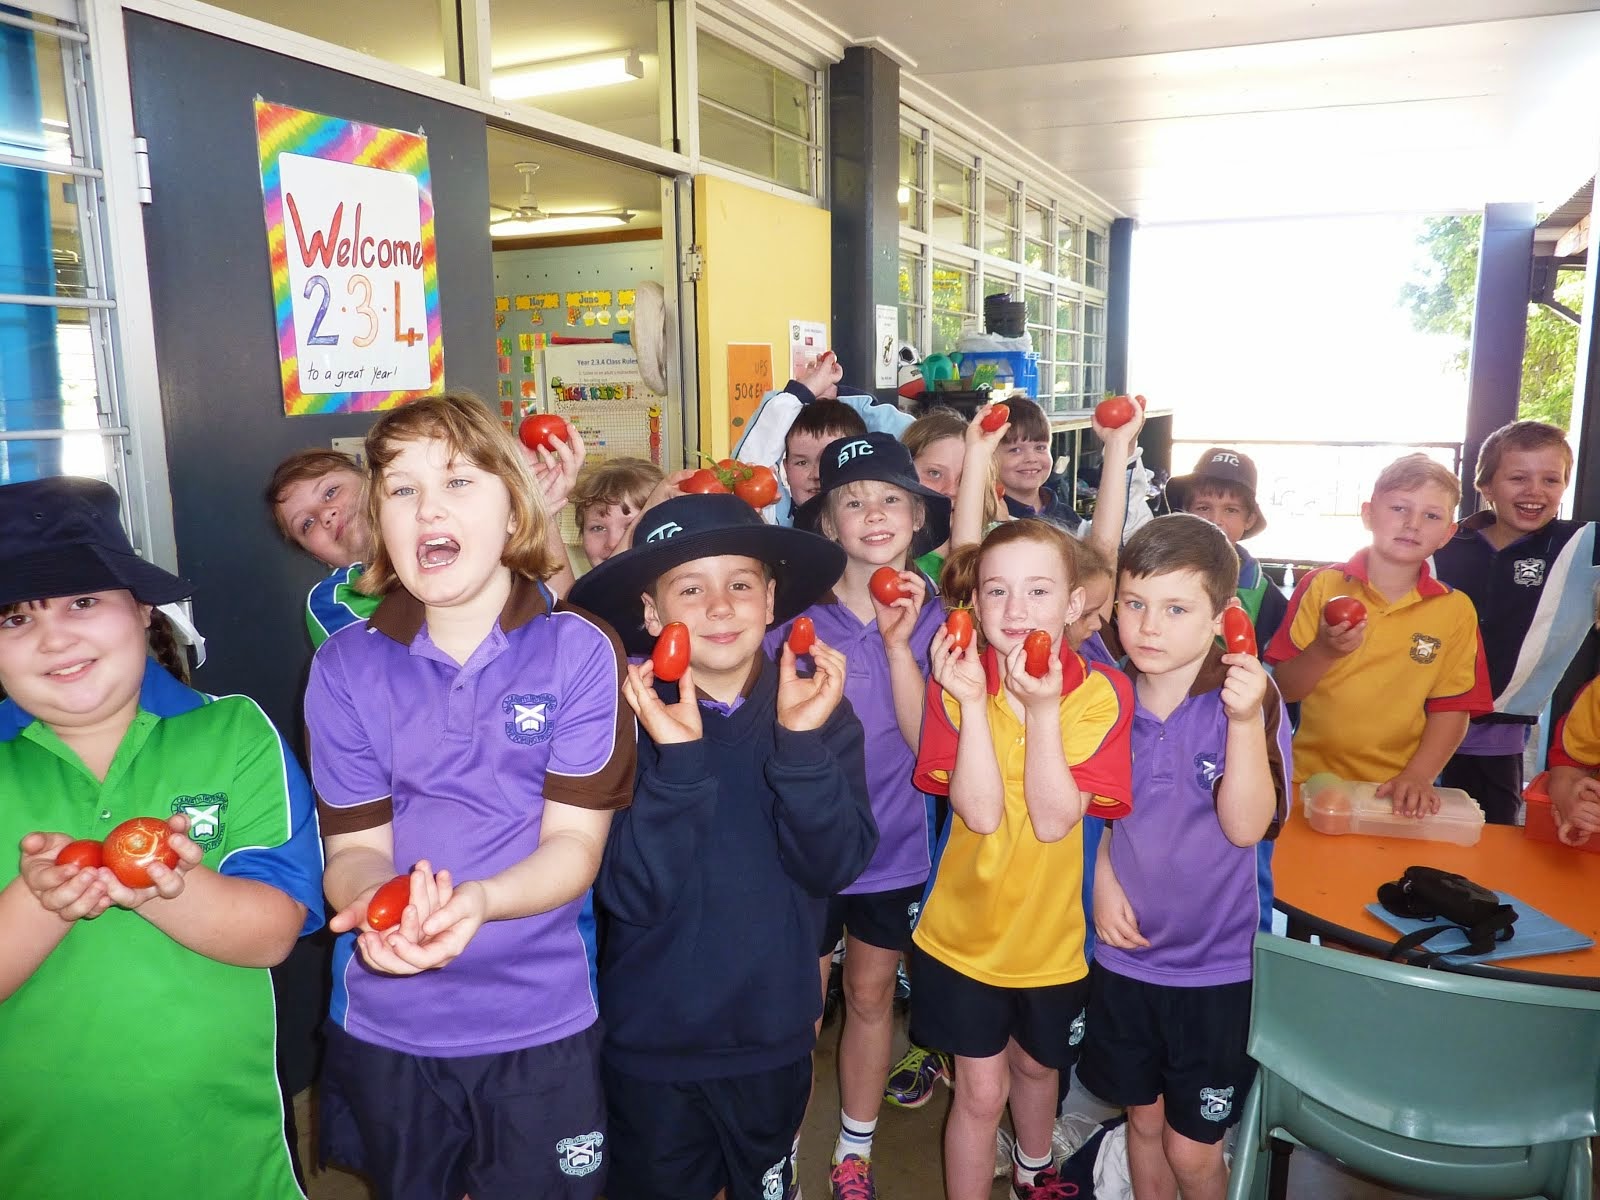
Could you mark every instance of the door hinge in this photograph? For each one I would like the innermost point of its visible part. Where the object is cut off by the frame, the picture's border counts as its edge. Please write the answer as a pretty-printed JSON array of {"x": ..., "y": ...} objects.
[
  {"x": 141, "y": 169},
  {"x": 694, "y": 264}
]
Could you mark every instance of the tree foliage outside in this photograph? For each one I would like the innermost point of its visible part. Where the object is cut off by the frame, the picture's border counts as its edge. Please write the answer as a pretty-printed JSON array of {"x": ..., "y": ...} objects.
[{"x": 1441, "y": 300}]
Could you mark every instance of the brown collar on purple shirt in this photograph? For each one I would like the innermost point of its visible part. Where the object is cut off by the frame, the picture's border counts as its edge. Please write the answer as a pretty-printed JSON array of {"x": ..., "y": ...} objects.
[{"x": 401, "y": 615}]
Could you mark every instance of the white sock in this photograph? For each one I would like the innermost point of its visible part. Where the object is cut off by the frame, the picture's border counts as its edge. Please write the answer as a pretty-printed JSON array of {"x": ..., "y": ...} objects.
[
  {"x": 1027, "y": 1169},
  {"x": 855, "y": 1137}
]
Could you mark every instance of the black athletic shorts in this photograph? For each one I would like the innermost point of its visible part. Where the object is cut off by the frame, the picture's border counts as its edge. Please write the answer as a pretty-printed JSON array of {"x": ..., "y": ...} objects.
[
  {"x": 1184, "y": 1045},
  {"x": 687, "y": 1141},
  {"x": 1493, "y": 780},
  {"x": 960, "y": 1015},
  {"x": 880, "y": 919},
  {"x": 494, "y": 1126}
]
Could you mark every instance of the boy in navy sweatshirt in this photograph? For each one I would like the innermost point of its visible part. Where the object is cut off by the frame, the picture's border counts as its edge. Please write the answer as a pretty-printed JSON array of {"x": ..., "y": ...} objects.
[{"x": 750, "y": 809}]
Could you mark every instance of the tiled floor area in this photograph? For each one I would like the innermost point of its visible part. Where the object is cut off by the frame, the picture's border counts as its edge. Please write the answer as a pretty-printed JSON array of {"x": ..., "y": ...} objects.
[{"x": 906, "y": 1152}]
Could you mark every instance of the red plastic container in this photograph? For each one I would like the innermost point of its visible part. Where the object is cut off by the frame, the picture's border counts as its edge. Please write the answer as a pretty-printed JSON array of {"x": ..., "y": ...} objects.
[{"x": 1541, "y": 818}]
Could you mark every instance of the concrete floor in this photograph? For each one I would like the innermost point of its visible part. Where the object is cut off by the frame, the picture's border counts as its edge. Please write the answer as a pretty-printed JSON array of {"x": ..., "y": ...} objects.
[{"x": 905, "y": 1153}]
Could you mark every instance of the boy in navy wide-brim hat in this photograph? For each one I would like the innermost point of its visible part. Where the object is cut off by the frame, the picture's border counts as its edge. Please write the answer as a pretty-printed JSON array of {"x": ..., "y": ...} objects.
[{"x": 750, "y": 809}]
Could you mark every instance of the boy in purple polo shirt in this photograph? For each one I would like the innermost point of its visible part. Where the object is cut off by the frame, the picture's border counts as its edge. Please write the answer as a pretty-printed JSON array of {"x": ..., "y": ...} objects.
[
  {"x": 473, "y": 725},
  {"x": 1175, "y": 902},
  {"x": 750, "y": 810},
  {"x": 871, "y": 503}
]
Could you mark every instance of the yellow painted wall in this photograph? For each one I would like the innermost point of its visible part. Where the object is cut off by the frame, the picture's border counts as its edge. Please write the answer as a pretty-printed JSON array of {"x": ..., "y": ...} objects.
[{"x": 767, "y": 261}]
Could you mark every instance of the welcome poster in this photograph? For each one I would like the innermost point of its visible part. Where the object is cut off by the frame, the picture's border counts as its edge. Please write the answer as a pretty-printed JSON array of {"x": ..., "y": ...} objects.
[{"x": 355, "y": 284}]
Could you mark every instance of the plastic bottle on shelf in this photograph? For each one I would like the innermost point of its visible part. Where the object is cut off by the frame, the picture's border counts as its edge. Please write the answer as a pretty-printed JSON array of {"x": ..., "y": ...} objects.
[{"x": 1340, "y": 806}]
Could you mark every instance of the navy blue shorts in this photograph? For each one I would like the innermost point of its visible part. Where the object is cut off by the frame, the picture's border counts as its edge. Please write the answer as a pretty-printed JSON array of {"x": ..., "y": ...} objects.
[
  {"x": 881, "y": 919},
  {"x": 965, "y": 1016},
  {"x": 496, "y": 1126},
  {"x": 687, "y": 1141},
  {"x": 1183, "y": 1045}
]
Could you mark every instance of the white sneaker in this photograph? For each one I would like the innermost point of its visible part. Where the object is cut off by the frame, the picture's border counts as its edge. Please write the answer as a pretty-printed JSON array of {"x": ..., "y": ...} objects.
[
  {"x": 1072, "y": 1130},
  {"x": 1003, "y": 1143}
]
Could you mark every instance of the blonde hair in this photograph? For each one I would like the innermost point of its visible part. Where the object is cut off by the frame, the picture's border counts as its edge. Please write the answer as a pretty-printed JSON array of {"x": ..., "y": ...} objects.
[
  {"x": 933, "y": 426},
  {"x": 469, "y": 431},
  {"x": 1413, "y": 471},
  {"x": 1519, "y": 435},
  {"x": 299, "y": 467},
  {"x": 626, "y": 481}
]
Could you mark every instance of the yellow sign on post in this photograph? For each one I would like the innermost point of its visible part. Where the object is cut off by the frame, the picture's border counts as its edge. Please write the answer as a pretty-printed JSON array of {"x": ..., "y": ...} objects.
[{"x": 749, "y": 379}]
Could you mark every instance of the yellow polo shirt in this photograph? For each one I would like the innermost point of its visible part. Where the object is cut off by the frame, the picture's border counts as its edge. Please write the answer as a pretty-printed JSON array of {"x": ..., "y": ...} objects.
[
  {"x": 1005, "y": 908},
  {"x": 1576, "y": 741},
  {"x": 1421, "y": 654}
]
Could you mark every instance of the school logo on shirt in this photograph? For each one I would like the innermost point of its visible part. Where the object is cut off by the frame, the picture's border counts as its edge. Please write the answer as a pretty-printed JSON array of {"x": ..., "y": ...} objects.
[
  {"x": 1424, "y": 649},
  {"x": 1216, "y": 1103},
  {"x": 205, "y": 813},
  {"x": 1529, "y": 572},
  {"x": 1079, "y": 1024},
  {"x": 580, "y": 1155},
  {"x": 854, "y": 448},
  {"x": 772, "y": 1180},
  {"x": 531, "y": 717},
  {"x": 1206, "y": 768}
]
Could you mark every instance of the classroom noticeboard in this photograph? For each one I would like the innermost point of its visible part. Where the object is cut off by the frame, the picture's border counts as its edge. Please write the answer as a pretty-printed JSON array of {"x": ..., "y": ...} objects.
[
  {"x": 355, "y": 285},
  {"x": 598, "y": 388}
]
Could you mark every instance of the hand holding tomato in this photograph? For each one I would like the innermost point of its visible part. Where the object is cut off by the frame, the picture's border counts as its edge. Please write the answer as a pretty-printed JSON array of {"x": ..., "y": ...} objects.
[
  {"x": 83, "y": 853},
  {"x": 1344, "y": 610},
  {"x": 72, "y": 893},
  {"x": 555, "y": 471},
  {"x": 667, "y": 724},
  {"x": 388, "y": 903},
  {"x": 1238, "y": 634},
  {"x": 703, "y": 482},
  {"x": 1114, "y": 412},
  {"x": 1244, "y": 688},
  {"x": 806, "y": 702},
  {"x": 802, "y": 636},
  {"x": 958, "y": 624},
  {"x": 542, "y": 431},
  {"x": 984, "y": 429},
  {"x": 1033, "y": 672},
  {"x": 898, "y": 616},
  {"x": 993, "y": 417},
  {"x": 1343, "y": 637},
  {"x": 888, "y": 585},
  {"x": 670, "y": 658},
  {"x": 147, "y": 858},
  {"x": 420, "y": 941},
  {"x": 958, "y": 670}
]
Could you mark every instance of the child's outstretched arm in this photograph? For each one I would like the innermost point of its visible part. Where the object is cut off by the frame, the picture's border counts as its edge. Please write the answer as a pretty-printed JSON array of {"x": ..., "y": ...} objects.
[
  {"x": 1412, "y": 789},
  {"x": 896, "y": 623},
  {"x": 1111, "y": 501},
  {"x": 977, "y": 789},
  {"x": 1250, "y": 792},
  {"x": 972, "y": 494},
  {"x": 1297, "y": 676}
]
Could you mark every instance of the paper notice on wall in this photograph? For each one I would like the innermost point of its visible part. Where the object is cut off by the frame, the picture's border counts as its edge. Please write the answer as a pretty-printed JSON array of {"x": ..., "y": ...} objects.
[
  {"x": 749, "y": 378},
  {"x": 885, "y": 369},
  {"x": 807, "y": 341}
]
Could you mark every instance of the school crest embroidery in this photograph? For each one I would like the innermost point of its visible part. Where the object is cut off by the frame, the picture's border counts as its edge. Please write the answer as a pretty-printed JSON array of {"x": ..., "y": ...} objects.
[
  {"x": 1206, "y": 768},
  {"x": 913, "y": 911},
  {"x": 205, "y": 815},
  {"x": 1528, "y": 572},
  {"x": 531, "y": 716},
  {"x": 1080, "y": 1023},
  {"x": 1424, "y": 649},
  {"x": 1216, "y": 1103},
  {"x": 580, "y": 1155},
  {"x": 772, "y": 1181}
]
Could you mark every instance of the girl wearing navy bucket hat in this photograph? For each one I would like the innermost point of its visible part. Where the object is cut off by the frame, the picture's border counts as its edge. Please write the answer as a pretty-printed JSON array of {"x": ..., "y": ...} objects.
[
  {"x": 101, "y": 951},
  {"x": 874, "y": 506}
]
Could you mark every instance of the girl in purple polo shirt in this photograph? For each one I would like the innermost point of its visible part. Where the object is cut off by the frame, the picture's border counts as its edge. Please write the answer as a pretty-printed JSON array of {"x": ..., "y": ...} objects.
[
  {"x": 871, "y": 503},
  {"x": 471, "y": 732}
]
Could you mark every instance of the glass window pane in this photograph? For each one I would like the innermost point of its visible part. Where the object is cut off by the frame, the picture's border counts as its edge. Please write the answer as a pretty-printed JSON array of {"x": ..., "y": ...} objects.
[
  {"x": 953, "y": 308},
  {"x": 1036, "y": 221},
  {"x": 1038, "y": 256},
  {"x": 41, "y": 249},
  {"x": 1039, "y": 307},
  {"x": 952, "y": 200},
  {"x": 745, "y": 146},
  {"x": 49, "y": 378},
  {"x": 1069, "y": 247},
  {"x": 910, "y": 191},
  {"x": 406, "y": 32},
  {"x": 33, "y": 114},
  {"x": 1094, "y": 253},
  {"x": 750, "y": 85},
  {"x": 600, "y": 64},
  {"x": 1000, "y": 220}
]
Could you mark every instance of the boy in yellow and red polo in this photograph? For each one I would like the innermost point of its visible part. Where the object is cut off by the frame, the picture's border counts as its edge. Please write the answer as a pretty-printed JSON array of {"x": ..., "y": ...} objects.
[{"x": 1386, "y": 700}]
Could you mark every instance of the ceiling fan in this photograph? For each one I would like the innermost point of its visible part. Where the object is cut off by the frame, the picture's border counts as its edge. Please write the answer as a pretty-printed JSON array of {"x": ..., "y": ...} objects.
[{"x": 529, "y": 220}]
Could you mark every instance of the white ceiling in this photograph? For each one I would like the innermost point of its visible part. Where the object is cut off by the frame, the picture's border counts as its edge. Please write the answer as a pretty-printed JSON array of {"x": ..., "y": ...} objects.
[{"x": 1180, "y": 110}]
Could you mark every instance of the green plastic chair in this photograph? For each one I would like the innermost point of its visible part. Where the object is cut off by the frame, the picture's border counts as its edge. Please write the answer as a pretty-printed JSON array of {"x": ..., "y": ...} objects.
[{"x": 1424, "y": 1079}]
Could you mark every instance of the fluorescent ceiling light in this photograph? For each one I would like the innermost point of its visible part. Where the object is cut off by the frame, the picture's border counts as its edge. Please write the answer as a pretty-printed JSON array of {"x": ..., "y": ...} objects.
[
  {"x": 558, "y": 223},
  {"x": 568, "y": 75}
]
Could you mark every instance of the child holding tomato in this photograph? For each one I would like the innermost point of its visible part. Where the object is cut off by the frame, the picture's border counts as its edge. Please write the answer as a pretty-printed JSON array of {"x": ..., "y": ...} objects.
[
  {"x": 1513, "y": 560},
  {"x": 1176, "y": 907},
  {"x": 750, "y": 810},
  {"x": 998, "y": 957},
  {"x": 1387, "y": 699},
  {"x": 127, "y": 1013},
  {"x": 872, "y": 505},
  {"x": 1574, "y": 761},
  {"x": 471, "y": 733}
]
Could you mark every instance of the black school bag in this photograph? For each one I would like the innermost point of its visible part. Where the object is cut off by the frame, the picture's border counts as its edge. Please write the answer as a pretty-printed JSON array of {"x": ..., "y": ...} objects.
[{"x": 1455, "y": 902}]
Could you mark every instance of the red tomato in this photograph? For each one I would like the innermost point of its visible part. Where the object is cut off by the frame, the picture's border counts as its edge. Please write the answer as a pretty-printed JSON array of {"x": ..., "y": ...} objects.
[
  {"x": 1114, "y": 412},
  {"x": 85, "y": 852},
  {"x": 1036, "y": 646},
  {"x": 389, "y": 902},
  {"x": 1238, "y": 635},
  {"x": 802, "y": 636},
  {"x": 758, "y": 488},
  {"x": 1344, "y": 610},
  {"x": 703, "y": 482},
  {"x": 885, "y": 586},
  {"x": 958, "y": 624},
  {"x": 1140, "y": 401},
  {"x": 997, "y": 416},
  {"x": 671, "y": 655},
  {"x": 134, "y": 845},
  {"x": 542, "y": 430}
]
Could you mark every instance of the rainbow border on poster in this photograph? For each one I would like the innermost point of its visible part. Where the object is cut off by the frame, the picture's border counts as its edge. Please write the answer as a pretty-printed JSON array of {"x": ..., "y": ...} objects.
[{"x": 281, "y": 129}]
